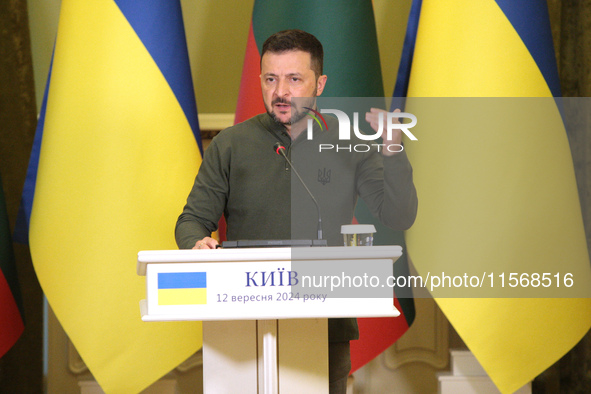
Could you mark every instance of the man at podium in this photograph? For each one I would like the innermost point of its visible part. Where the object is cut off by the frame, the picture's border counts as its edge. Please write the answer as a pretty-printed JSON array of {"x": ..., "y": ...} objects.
[{"x": 245, "y": 176}]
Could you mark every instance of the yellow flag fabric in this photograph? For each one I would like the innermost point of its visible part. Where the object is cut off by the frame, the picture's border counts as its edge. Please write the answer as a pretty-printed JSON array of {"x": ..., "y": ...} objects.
[
  {"x": 117, "y": 160},
  {"x": 495, "y": 199}
]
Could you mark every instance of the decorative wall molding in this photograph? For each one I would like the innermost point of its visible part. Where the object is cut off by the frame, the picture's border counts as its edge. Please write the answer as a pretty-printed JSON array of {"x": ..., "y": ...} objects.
[
  {"x": 215, "y": 121},
  {"x": 425, "y": 342}
]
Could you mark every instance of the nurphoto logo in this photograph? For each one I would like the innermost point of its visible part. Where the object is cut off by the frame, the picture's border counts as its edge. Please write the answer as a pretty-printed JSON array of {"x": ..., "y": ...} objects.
[
  {"x": 392, "y": 122},
  {"x": 315, "y": 115}
]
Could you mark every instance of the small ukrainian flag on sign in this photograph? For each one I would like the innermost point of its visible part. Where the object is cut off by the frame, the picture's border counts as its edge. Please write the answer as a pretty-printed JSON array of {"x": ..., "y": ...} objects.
[{"x": 182, "y": 288}]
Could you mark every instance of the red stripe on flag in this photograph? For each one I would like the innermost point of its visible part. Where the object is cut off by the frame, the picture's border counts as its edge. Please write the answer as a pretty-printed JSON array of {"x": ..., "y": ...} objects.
[
  {"x": 375, "y": 336},
  {"x": 11, "y": 322},
  {"x": 250, "y": 101}
]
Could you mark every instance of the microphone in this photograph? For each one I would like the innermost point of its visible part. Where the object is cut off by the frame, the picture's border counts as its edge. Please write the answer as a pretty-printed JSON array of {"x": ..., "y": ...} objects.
[{"x": 280, "y": 150}]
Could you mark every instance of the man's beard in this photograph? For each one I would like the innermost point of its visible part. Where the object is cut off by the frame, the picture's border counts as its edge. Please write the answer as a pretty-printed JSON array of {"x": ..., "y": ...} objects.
[{"x": 296, "y": 115}]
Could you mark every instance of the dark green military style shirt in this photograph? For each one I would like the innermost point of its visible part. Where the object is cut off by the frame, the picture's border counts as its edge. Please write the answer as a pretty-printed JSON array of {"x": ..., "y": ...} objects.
[{"x": 243, "y": 178}]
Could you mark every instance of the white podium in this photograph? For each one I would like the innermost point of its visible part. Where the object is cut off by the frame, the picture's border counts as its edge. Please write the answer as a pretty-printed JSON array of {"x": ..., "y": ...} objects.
[{"x": 265, "y": 310}]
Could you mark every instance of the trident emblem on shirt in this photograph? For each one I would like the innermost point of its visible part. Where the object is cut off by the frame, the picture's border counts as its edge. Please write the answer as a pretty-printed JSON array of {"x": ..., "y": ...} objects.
[{"x": 324, "y": 176}]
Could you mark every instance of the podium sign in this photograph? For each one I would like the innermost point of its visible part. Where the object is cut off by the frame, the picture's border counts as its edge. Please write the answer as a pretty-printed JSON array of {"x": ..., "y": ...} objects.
[
  {"x": 257, "y": 284},
  {"x": 264, "y": 309}
]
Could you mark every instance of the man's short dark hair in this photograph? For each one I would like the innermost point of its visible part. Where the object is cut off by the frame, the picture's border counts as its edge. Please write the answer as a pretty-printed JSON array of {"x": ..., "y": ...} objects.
[{"x": 296, "y": 40}]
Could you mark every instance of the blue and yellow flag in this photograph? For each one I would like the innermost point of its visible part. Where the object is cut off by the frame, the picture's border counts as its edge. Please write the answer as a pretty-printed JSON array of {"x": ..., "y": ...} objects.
[
  {"x": 182, "y": 288},
  {"x": 497, "y": 199},
  {"x": 119, "y": 153}
]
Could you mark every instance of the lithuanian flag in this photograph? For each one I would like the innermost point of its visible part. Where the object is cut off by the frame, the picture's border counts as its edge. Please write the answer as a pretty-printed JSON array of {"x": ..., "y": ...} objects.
[
  {"x": 347, "y": 32},
  {"x": 11, "y": 320}
]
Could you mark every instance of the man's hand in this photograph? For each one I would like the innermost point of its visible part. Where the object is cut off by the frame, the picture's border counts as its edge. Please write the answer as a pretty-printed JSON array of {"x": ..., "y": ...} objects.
[
  {"x": 372, "y": 118},
  {"x": 206, "y": 243}
]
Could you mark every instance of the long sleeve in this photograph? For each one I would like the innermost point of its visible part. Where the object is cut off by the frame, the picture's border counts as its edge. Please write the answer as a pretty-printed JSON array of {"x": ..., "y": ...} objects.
[
  {"x": 388, "y": 189},
  {"x": 206, "y": 201}
]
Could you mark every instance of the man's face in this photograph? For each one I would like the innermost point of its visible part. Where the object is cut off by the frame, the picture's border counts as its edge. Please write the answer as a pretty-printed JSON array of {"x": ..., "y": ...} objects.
[{"x": 286, "y": 75}]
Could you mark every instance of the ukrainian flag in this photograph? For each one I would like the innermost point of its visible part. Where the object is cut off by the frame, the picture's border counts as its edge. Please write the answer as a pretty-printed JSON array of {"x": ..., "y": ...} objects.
[
  {"x": 497, "y": 199},
  {"x": 182, "y": 288},
  {"x": 118, "y": 156}
]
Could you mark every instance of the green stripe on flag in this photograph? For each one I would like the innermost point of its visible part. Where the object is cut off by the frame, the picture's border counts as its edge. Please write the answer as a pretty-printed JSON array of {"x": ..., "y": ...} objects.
[{"x": 347, "y": 32}]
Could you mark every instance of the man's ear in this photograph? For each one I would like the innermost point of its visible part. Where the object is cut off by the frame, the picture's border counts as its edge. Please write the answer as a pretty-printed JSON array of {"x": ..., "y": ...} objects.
[{"x": 320, "y": 83}]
